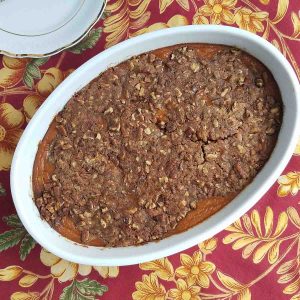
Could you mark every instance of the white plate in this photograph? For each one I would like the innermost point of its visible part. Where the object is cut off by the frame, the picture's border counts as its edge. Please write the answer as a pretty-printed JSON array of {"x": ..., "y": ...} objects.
[
  {"x": 44, "y": 27},
  {"x": 23, "y": 160}
]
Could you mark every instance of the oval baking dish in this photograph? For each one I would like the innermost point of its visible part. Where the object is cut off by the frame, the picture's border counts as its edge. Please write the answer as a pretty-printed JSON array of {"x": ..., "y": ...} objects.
[{"x": 22, "y": 166}]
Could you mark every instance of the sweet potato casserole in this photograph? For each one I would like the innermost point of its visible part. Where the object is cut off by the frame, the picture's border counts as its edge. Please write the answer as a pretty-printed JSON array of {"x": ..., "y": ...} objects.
[{"x": 157, "y": 144}]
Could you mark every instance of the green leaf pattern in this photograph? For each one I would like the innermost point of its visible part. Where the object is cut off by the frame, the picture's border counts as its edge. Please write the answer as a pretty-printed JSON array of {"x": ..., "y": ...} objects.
[
  {"x": 27, "y": 244},
  {"x": 87, "y": 42},
  {"x": 39, "y": 61},
  {"x": 86, "y": 289},
  {"x": 33, "y": 72},
  {"x": 13, "y": 237},
  {"x": 2, "y": 190},
  {"x": 28, "y": 80},
  {"x": 12, "y": 221}
]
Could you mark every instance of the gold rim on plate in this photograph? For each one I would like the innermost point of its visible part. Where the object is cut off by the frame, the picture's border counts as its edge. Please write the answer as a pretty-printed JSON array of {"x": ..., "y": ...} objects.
[{"x": 7, "y": 53}]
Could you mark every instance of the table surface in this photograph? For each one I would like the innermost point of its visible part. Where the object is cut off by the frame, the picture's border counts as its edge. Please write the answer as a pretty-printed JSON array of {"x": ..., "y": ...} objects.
[{"x": 257, "y": 257}]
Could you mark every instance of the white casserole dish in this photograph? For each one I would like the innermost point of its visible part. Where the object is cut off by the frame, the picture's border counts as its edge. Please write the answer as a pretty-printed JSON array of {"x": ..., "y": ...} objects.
[{"x": 22, "y": 165}]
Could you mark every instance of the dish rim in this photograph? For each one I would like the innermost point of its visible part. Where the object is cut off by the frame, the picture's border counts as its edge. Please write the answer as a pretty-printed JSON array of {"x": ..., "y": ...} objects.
[{"x": 230, "y": 213}]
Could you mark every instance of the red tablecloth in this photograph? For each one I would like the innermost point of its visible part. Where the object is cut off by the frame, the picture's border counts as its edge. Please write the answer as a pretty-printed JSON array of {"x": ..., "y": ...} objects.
[{"x": 257, "y": 257}]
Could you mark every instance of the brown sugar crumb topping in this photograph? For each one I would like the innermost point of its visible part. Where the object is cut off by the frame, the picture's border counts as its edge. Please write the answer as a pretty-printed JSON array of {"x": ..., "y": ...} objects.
[{"x": 144, "y": 142}]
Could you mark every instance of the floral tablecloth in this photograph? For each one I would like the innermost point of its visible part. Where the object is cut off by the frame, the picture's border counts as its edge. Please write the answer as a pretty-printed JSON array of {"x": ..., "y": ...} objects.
[{"x": 257, "y": 257}]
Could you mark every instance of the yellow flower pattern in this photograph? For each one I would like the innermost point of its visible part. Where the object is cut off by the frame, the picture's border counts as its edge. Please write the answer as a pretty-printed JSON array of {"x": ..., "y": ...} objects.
[
  {"x": 297, "y": 150},
  {"x": 25, "y": 296},
  {"x": 289, "y": 184},
  {"x": 249, "y": 235},
  {"x": 218, "y": 11},
  {"x": 11, "y": 121},
  {"x": 64, "y": 270},
  {"x": 12, "y": 71},
  {"x": 51, "y": 79},
  {"x": 196, "y": 273},
  {"x": 249, "y": 20},
  {"x": 149, "y": 289},
  {"x": 195, "y": 270},
  {"x": 10, "y": 273},
  {"x": 184, "y": 292},
  {"x": 176, "y": 20},
  {"x": 290, "y": 275},
  {"x": 208, "y": 246},
  {"x": 267, "y": 236}
]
